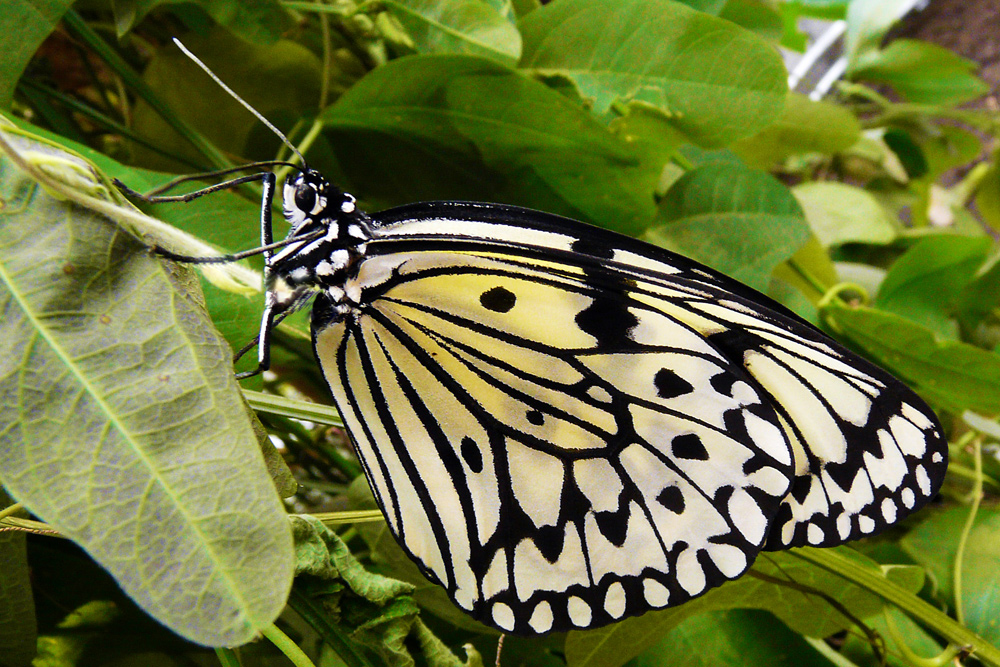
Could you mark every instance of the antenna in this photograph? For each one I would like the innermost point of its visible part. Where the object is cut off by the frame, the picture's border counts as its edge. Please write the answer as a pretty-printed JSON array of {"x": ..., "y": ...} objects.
[{"x": 239, "y": 99}]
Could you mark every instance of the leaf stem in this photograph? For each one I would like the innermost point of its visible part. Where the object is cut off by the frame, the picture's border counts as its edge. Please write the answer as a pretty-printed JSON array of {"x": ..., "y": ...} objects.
[
  {"x": 7, "y": 511},
  {"x": 285, "y": 644},
  {"x": 227, "y": 657},
  {"x": 977, "y": 496},
  {"x": 907, "y": 602}
]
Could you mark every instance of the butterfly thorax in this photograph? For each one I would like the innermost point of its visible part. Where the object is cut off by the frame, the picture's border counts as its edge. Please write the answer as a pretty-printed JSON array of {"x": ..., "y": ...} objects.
[{"x": 333, "y": 231}]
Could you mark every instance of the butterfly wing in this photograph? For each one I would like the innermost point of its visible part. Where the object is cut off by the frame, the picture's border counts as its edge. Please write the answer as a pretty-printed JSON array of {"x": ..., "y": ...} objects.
[{"x": 565, "y": 427}]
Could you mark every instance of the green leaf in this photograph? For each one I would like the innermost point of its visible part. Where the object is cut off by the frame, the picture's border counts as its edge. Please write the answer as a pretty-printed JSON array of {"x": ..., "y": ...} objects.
[
  {"x": 800, "y": 609},
  {"x": 839, "y": 214},
  {"x": 953, "y": 375},
  {"x": 811, "y": 271},
  {"x": 259, "y": 22},
  {"x": 392, "y": 559},
  {"x": 374, "y": 610},
  {"x": 978, "y": 302},
  {"x": 988, "y": 197},
  {"x": 792, "y": 10},
  {"x": 18, "y": 630},
  {"x": 461, "y": 127},
  {"x": 908, "y": 151},
  {"x": 756, "y": 16},
  {"x": 924, "y": 283},
  {"x": 933, "y": 544},
  {"x": 736, "y": 220},
  {"x": 458, "y": 26},
  {"x": 804, "y": 126},
  {"x": 732, "y": 637},
  {"x": 31, "y": 21},
  {"x": 858, "y": 649},
  {"x": 923, "y": 73},
  {"x": 947, "y": 147},
  {"x": 868, "y": 21},
  {"x": 122, "y": 424},
  {"x": 718, "y": 81}
]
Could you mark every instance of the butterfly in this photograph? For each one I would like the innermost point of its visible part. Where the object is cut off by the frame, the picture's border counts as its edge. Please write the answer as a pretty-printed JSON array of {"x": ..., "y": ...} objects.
[{"x": 564, "y": 426}]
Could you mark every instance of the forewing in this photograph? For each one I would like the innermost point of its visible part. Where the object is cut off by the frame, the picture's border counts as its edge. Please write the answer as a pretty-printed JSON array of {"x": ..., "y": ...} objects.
[
  {"x": 868, "y": 451},
  {"x": 552, "y": 451}
]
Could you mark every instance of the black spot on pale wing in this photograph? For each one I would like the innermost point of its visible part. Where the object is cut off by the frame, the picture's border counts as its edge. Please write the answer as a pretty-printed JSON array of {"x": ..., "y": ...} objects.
[
  {"x": 723, "y": 383},
  {"x": 670, "y": 385},
  {"x": 844, "y": 474},
  {"x": 801, "y": 487},
  {"x": 734, "y": 342},
  {"x": 613, "y": 525},
  {"x": 535, "y": 417},
  {"x": 549, "y": 540},
  {"x": 672, "y": 498},
  {"x": 609, "y": 320},
  {"x": 470, "y": 452},
  {"x": 498, "y": 299},
  {"x": 689, "y": 446},
  {"x": 585, "y": 247}
]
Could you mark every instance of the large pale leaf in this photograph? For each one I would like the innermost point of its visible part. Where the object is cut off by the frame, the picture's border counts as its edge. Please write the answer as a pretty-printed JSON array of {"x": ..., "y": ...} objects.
[
  {"x": 719, "y": 81},
  {"x": 122, "y": 424}
]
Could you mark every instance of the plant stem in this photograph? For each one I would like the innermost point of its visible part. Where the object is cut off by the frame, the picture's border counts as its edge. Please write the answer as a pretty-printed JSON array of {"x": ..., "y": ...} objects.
[
  {"x": 285, "y": 644},
  {"x": 977, "y": 496},
  {"x": 907, "y": 602}
]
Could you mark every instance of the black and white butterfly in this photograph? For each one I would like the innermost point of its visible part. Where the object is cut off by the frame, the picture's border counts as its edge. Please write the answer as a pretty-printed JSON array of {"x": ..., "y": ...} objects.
[{"x": 564, "y": 426}]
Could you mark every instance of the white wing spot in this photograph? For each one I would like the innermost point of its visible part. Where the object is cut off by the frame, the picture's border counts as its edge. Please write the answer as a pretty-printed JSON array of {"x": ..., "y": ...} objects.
[
  {"x": 844, "y": 525},
  {"x": 580, "y": 613},
  {"x": 908, "y": 497},
  {"x": 689, "y": 573},
  {"x": 768, "y": 437},
  {"x": 748, "y": 517},
  {"x": 299, "y": 274},
  {"x": 503, "y": 616},
  {"x": 937, "y": 457},
  {"x": 465, "y": 598},
  {"x": 614, "y": 600},
  {"x": 889, "y": 510},
  {"x": 656, "y": 594},
  {"x": 814, "y": 534},
  {"x": 866, "y": 523},
  {"x": 730, "y": 560},
  {"x": 910, "y": 439},
  {"x": 541, "y": 618},
  {"x": 918, "y": 418},
  {"x": 923, "y": 480}
]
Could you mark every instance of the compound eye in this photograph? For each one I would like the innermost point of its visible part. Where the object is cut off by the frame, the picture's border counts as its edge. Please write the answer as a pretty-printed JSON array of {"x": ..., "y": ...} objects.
[{"x": 305, "y": 197}]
